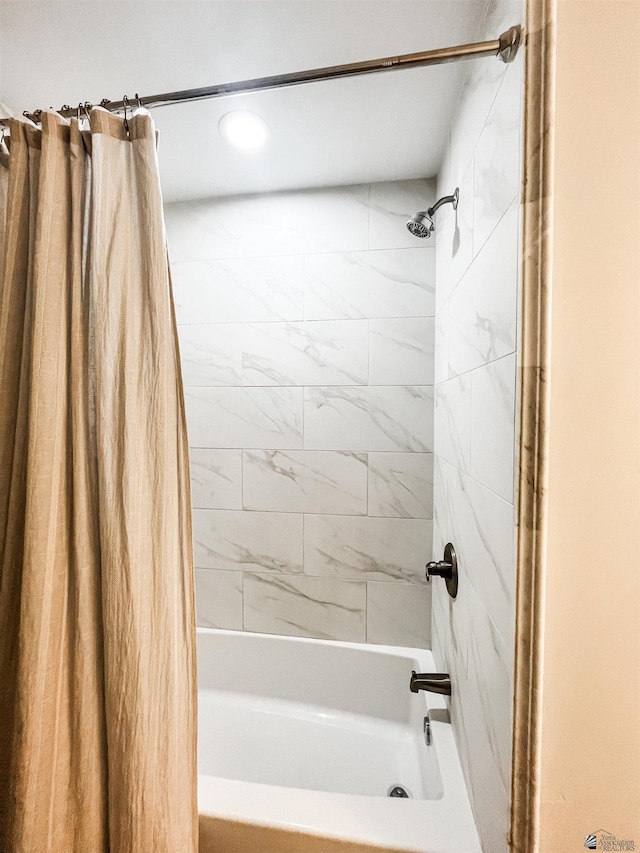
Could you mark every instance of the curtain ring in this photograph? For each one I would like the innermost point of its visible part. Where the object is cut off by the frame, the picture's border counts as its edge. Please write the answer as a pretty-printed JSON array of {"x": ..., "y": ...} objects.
[
  {"x": 125, "y": 104},
  {"x": 139, "y": 102},
  {"x": 86, "y": 107}
]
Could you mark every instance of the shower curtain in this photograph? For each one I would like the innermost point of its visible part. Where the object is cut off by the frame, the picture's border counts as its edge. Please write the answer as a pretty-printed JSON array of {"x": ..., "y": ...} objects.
[{"x": 97, "y": 627}]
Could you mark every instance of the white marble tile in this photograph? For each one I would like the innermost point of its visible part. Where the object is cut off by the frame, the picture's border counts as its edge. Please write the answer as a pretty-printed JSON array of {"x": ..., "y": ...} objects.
[
  {"x": 176, "y": 289},
  {"x": 204, "y": 228},
  {"x": 224, "y": 539},
  {"x": 219, "y": 599},
  {"x": 392, "y": 203},
  {"x": 497, "y": 157},
  {"x": 401, "y": 351},
  {"x": 483, "y": 307},
  {"x": 216, "y": 478},
  {"x": 482, "y": 527},
  {"x": 399, "y": 614},
  {"x": 440, "y": 621},
  {"x": 305, "y": 481},
  {"x": 490, "y": 666},
  {"x": 401, "y": 484},
  {"x": 210, "y": 355},
  {"x": 480, "y": 84},
  {"x": 242, "y": 290},
  {"x": 318, "y": 352},
  {"x": 373, "y": 549},
  {"x": 326, "y": 608},
  {"x": 441, "y": 340},
  {"x": 453, "y": 421},
  {"x": 492, "y": 425},
  {"x": 333, "y": 219},
  {"x": 392, "y": 283},
  {"x": 383, "y": 417},
  {"x": 454, "y": 234},
  {"x": 244, "y": 417},
  {"x": 471, "y": 717}
]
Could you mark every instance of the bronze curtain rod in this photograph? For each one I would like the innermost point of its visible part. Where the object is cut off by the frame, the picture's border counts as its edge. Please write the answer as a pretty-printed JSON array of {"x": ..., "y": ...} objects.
[{"x": 504, "y": 48}]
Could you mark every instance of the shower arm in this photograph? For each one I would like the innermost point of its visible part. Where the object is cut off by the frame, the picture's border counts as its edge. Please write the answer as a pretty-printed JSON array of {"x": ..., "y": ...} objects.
[
  {"x": 446, "y": 199},
  {"x": 503, "y": 48}
]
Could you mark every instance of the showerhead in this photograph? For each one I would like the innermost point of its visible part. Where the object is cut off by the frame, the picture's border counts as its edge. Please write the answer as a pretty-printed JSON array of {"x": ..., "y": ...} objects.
[{"x": 421, "y": 223}]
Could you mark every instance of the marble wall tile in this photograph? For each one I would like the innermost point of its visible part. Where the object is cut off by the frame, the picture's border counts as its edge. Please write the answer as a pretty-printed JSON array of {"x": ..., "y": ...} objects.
[
  {"x": 401, "y": 351},
  {"x": 481, "y": 526},
  {"x": 383, "y": 417},
  {"x": 305, "y": 481},
  {"x": 453, "y": 421},
  {"x": 242, "y": 290},
  {"x": 401, "y": 484},
  {"x": 392, "y": 203},
  {"x": 493, "y": 389},
  {"x": 176, "y": 289},
  {"x": 372, "y": 549},
  {"x": 224, "y": 539},
  {"x": 490, "y": 667},
  {"x": 441, "y": 340},
  {"x": 481, "y": 83},
  {"x": 475, "y": 340},
  {"x": 210, "y": 355},
  {"x": 330, "y": 219},
  {"x": 489, "y": 797},
  {"x": 454, "y": 234},
  {"x": 393, "y": 283},
  {"x": 399, "y": 614},
  {"x": 244, "y": 417},
  {"x": 483, "y": 307},
  {"x": 497, "y": 156},
  {"x": 310, "y": 353},
  {"x": 440, "y": 624},
  {"x": 327, "y": 608},
  {"x": 219, "y": 599},
  {"x": 333, "y": 219},
  {"x": 282, "y": 300},
  {"x": 216, "y": 478},
  {"x": 202, "y": 229}
]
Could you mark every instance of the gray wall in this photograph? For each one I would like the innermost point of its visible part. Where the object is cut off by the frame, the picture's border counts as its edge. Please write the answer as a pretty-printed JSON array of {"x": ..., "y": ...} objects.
[
  {"x": 306, "y": 329},
  {"x": 475, "y": 416}
]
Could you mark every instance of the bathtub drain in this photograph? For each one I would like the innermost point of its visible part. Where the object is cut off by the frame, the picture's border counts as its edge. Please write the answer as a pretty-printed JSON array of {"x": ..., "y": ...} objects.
[{"x": 397, "y": 791}]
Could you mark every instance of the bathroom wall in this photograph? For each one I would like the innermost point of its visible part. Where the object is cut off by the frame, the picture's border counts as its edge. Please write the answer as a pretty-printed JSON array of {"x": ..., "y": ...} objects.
[
  {"x": 477, "y": 262},
  {"x": 589, "y": 763},
  {"x": 307, "y": 331}
]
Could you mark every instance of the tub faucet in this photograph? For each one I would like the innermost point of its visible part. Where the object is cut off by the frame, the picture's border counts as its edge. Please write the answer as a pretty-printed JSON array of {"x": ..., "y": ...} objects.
[{"x": 434, "y": 682}]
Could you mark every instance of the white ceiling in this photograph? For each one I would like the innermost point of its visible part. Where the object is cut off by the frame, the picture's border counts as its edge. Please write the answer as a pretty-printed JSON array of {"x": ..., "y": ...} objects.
[{"x": 379, "y": 127}]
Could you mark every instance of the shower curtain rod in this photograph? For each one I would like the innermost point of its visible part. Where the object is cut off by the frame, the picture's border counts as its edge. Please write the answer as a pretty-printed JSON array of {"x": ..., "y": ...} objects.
[{"x": 504, "y": 48}]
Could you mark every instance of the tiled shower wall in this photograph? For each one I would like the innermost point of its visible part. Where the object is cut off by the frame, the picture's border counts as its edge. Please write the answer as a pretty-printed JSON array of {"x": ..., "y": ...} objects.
[
  {"x": 307, "y": 332},
  {"x": 475, "y": 416}
]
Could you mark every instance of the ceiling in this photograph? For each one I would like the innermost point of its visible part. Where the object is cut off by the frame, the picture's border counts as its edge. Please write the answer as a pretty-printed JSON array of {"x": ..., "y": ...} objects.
[{"x": 388, "y": 126}]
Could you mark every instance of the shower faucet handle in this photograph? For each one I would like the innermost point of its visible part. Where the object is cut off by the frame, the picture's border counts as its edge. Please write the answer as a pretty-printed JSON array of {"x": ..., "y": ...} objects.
[
  {"x": 439, "y": 568},
  {"x": 446, "y": 568}
]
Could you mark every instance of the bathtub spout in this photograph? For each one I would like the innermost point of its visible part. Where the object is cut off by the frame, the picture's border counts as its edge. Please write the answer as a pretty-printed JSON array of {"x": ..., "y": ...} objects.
[{"x": 433, "y": 682}]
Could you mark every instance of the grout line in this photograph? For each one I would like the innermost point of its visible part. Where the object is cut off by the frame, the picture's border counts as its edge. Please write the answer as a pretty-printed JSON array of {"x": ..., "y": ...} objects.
[
  {"x": 284, "y": 322},
  {"x": 467, "y": 372},
  {"x": 360, "y": 251},
  {"x": 476, "y": 481}
]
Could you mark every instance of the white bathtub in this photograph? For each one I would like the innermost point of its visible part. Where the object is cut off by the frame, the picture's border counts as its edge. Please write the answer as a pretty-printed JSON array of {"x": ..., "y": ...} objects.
[{"x": 311, "y": 735}]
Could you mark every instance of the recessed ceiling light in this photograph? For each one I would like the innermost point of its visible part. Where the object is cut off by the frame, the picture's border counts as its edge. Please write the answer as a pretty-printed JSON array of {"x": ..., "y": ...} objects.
[{"x": 244, "y": 129}]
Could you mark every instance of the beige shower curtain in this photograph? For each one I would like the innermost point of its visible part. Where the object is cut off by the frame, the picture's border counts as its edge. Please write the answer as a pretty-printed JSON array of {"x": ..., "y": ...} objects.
[{"x": 97, "y": 636}]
